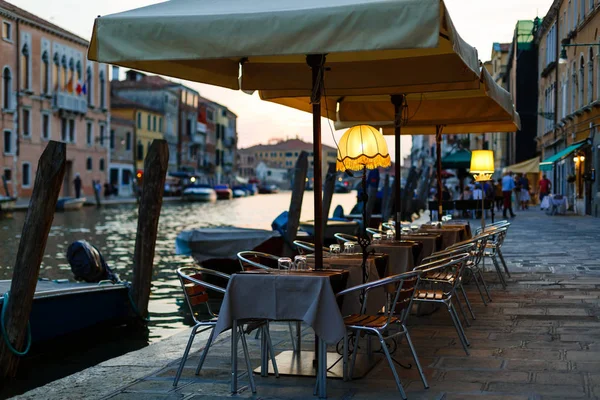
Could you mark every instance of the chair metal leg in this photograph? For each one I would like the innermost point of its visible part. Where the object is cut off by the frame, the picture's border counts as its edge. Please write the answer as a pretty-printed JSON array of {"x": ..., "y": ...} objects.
[
  {"x": 345, "y": 355},
  {"x": 485, "y": 286},
  {"x": 462, "y": 310},
  {"x": 393, "y": 368},
  {"x": 458, "y": 327},
  {"x": 271, "y": 350},
  {"x": 247, "y": 358},
  {"x": 234, "y": 358},
  {"x": 257, "y": 334},
  {"x": 503, "y": 262},
  {"x": 464, "y": 293},
  {"x": 476, "y": 279},
  {"x": 205, "y": 352},
  {"x": 415, "y": 357},
  {"x": 292, "y": 337},
  {"x": 185, "y": 355},
  {"x": 354, "y": 353},
  {"x": 499, "y": 271}
]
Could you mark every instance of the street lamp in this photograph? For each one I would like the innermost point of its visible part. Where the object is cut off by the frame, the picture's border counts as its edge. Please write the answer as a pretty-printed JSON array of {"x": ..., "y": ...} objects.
[
  {"x": 482, "y": 168},
  {"x": 562, "y": 59}
]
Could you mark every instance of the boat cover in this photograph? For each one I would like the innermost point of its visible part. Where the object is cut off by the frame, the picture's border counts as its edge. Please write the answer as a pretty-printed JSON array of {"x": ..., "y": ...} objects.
[{"x": 220, "y": 242}]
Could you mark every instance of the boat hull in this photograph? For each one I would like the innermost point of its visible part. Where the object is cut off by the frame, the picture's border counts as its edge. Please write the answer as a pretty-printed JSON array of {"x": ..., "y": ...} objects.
[
  {"x": 70, "y": 203},
  {"x": 200, "y": 197},
  {"x": 7, "y": 205},
  {"x": 223, "y": 194},
  {"x": 60, "y": 309}
]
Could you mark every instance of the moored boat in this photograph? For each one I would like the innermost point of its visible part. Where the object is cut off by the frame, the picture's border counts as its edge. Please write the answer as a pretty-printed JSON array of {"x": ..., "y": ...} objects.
[
  {"x": 61, "y": 307},
  {"x": 199, "y": 193},
  {"x": 7, "y": 204},
  {"x": 223, "y": 192},
  {"x": 240, "y": 191},
  {"x": 268, "y": 189},
  {"x": 70, "y": 203}
]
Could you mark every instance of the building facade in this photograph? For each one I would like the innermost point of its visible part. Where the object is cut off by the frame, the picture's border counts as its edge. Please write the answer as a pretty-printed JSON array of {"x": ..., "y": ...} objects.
[
  {"x": 280, "y": 154},
  {"x": 49, "y": 91},
  {"x": 569, "y": 87},
  {"x": 122, "y": 167}
]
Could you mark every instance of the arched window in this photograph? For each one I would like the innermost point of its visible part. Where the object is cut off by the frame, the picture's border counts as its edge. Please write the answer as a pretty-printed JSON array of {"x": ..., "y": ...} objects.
[
  {"x": 6, "y": 89},
  {"x": 88, "y": 85},
  {"x": 102, "y": 90},
  {"x": 25, "y": 70},
  {"x": 581, "y": 80},
  {"x": 140, "y": 151},
  {"x": 101, "y": 164},
  {"x": 45, "y": 73},
  {"x": 574, "y": 88},
  {"x": 88, "y": 164},
  {"x": 64, "y": 78},
  {"x": 590, "y": 95},
  {"x": 56, "y": 71}
]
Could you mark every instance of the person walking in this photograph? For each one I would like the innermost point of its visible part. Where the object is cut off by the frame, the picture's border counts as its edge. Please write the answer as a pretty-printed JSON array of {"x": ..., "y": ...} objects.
[
  {"x": 498, "y": 194},
  {"x": 545, "y": 186},
  {"x": 508, "y": 185},
  {"x": 525, "y": 197},
  {"x": 77, "y": 184}
]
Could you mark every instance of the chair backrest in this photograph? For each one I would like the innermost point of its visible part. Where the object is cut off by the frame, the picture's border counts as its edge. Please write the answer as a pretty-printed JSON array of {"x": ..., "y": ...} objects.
[
  {"x": 498, "y": 224},
  {"x": 455, "y": 264},
  {"x": 373, "y": 231},
  {"x": 343, "y": 238},
  {"x": 404, "y": 288},
  {"x": 388, "y": 226},
  {"x": 464, "y": 247},
  {"x": 307, "y": 247},
  {"x": 198, "y": 291},
  {"x": 479, "y": 241},
  {"x": 251, "y": 260}
]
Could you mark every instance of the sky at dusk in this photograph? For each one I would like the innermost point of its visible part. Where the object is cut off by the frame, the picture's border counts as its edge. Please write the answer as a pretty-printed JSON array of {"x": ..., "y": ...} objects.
[{"x": 479, "y": 22}]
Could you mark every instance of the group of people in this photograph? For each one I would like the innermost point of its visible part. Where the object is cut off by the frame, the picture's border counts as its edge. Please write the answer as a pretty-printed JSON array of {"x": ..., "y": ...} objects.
[{"x": 500, "y": 192}]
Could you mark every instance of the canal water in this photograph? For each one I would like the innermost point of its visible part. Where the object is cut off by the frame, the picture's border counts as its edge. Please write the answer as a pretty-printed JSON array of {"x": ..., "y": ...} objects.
[{"x": 112, "y": 230}]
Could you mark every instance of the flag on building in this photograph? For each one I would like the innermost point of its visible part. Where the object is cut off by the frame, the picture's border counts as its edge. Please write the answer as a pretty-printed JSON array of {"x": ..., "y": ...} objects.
[
  {"x": 70, "y": 85},
  {"x": 84, "y": 88},
  {"x": 79, "y": 88}
]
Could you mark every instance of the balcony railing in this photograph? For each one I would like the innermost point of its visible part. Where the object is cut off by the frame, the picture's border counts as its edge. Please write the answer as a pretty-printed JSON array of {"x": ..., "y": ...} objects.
[{"x": 70, "y": 102}]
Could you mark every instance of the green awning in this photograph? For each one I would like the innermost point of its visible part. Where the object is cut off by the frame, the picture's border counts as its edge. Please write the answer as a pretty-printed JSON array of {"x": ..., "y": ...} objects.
[
  {"x": 547, "y": 164},
  {"x": 458, "y": 159}
]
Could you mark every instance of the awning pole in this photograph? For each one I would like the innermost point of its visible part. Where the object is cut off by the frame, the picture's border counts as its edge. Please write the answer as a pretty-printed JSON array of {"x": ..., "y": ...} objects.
[
  {"x": 438, "y": 152},
  {"x": 397, "y": 101},
  {"x": 316, "y": 62}
]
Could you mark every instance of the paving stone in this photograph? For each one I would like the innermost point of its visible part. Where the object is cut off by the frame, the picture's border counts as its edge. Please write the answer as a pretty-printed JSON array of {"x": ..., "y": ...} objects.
[
  {"x": 583, "y": 356},
  {"x": 526, "y": 354},
  {"x": 573, "y": 391},
  {"x": 567, "y": 311},
  {"x": 474, "y": 363},
  {"x": 483, "y": 396},
  {"x": 536, "y": 365},
  {"x": 487, "y": 376},
  {"x": 554, "y": 378}
]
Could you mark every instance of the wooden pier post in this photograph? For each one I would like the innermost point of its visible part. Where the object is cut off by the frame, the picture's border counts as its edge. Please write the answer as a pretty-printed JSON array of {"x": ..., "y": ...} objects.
[
  {"x": 40, "y": 214},
  {"x": 328, "y": 193},
  {"x": 155, "y": 172},
  {"x": 300, "y": 172}
]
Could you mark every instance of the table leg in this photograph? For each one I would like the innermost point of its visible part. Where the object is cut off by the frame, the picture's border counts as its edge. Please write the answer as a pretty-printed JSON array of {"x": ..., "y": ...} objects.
[
  {"x": 322, "y": 369},
  {"x": 264, "y": 352},
  {"x": 234, "y": 328},
  {"x": 298, "y": 337}
]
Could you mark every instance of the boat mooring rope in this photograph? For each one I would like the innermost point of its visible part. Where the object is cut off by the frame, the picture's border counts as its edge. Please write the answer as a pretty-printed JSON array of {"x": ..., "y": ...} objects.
[
  {"x": 134, "y": 307},
  {"x": 5, "y": 335}
]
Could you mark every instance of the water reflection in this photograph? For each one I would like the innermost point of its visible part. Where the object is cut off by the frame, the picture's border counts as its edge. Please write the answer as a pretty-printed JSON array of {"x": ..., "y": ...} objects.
[{"x": 113, "y": 230}]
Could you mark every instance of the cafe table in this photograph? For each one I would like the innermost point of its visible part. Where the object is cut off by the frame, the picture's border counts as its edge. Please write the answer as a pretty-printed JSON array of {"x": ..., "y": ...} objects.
[
  {"x": 450, "y": 234},
  {"x": 401, "y": 258},
  {"x": 307, "y": 296},
  {"x": 432, "y": 242},
  {"x": 377, "y": 268}
]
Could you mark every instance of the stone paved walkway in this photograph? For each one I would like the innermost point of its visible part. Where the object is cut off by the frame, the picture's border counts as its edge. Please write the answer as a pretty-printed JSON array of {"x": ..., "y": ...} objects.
[{"x": 539, "y": 339}]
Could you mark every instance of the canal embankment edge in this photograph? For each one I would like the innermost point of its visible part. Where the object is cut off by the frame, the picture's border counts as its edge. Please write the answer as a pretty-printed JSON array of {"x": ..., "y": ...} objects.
[
  {"x": 108, "y": 377},
  {"x": 23, "y": 203}
]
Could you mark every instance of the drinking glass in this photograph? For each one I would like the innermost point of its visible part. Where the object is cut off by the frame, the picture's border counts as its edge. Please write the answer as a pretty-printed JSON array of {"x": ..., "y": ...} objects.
[
  {"x": 285, "y": 264},
  {"x": 300, "y": 263},
  {"x": 390, "y": 234},
  {"x": 349, "y": 247},
  {"x": 334, "y": 249},
  {"x": 376, "y": 238},
  {"x": 414, "y": 228}
]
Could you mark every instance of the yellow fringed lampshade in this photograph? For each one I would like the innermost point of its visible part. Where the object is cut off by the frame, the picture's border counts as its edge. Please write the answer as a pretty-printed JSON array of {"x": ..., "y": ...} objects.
[
  {"x": 482, "y": 164},
  {"x": 362, "y": 146}
]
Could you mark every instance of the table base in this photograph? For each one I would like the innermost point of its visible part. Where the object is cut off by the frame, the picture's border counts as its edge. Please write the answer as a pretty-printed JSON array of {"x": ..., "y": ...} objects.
[{"x": 292, "y": 363}]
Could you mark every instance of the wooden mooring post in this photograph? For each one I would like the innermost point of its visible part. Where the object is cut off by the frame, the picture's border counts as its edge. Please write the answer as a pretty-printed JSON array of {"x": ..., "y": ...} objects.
[
  {"x": 40, "y": 214},
  {"x": 328, "y": 192},
  {"x": 155, "y": 172},
  {"x": 300, "y": 172}
]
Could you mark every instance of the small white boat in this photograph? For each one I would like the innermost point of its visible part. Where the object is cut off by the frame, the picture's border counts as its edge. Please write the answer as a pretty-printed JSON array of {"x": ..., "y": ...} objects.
[
  {"x": 199, "y": 193},
  {"x": 70, "y": 203},
  {"x": 7, "y": 204},
  {"x": 239, "y": 193}
]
